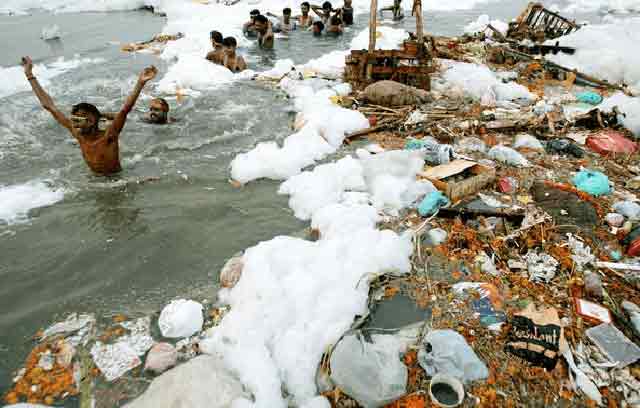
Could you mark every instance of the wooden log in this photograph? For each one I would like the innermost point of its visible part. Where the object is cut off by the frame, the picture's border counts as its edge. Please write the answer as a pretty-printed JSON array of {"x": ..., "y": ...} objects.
[
  {"x": 372, "y": 25},
  {"x": 417, "y": 9}
]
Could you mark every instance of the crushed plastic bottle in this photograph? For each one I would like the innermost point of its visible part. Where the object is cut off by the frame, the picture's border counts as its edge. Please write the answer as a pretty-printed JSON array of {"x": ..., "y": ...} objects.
[{"x": 435, "y": 153}]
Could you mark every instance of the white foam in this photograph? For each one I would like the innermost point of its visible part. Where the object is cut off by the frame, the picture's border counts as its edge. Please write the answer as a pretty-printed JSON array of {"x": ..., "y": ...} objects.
[
  {"x": 13, "y": 80},
  {"x": 583, "y": 6},
  {"x": 627, "y": 105},
  {"x": 17, "y": 200},
  {"x": 476, "y": 80},
  {"x": 480, "y": 25},
  {"x": 605, "y": 51}
]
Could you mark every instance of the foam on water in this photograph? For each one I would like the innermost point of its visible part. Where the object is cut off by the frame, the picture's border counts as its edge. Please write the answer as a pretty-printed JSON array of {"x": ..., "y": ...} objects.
[
  {"x": 17, "y": 200},
  {"x": 13, "y": 80}
]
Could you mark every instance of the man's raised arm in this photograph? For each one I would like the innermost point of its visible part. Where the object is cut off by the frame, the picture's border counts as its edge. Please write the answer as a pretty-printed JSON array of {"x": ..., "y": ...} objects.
[
  {"x": 121, "y": 117},
  {"x": 43, "y": 97}
]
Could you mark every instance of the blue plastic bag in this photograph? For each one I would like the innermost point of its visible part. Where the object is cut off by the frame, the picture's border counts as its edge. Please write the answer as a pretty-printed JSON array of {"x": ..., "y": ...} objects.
[
  {"x": 592, "y": 182},
  {"x": 591, "y": 98},
  {"x": 432, "y": 202}
]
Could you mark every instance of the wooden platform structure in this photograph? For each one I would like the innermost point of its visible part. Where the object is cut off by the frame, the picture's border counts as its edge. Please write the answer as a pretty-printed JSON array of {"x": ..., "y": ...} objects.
[
  {"x": 538, "y": 24},
  {"x": 412, "y": 65}
]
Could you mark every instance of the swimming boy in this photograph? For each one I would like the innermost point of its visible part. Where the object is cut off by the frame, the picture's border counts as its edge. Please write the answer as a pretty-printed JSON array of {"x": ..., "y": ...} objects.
[
  {"x": 323, "y": 12},
  {"x": 398, "y": 13},
  {"x": 216, "y": 42},
  {"x": 347, "y": 12},
  {"x": 285, "y": 24},
  {"x": 100, "y": 148},
  {"x": 335, "y": 25},
  {"x": 233, "y": 62},
  {"x": 317, "y": 28},
  {"x": 305, "y": 20},
  {"x": 265, "y": 32},
  {"x": 249, "y": 28}
]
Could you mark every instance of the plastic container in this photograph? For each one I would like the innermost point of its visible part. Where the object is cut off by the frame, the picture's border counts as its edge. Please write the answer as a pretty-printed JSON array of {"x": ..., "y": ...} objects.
[{"x": 446, "y": 391}]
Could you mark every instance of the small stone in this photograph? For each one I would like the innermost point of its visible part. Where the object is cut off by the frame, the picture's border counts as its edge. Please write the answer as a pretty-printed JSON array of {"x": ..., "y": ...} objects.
[
  {"x": 231, "y": 272},
  {"x": 161, "y": 357}
]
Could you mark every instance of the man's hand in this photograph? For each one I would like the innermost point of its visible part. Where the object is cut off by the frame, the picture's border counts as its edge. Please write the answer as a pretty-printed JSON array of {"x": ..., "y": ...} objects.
[
  {"x": 148, "y": 74},
  {"x": 28, "y": 66}
]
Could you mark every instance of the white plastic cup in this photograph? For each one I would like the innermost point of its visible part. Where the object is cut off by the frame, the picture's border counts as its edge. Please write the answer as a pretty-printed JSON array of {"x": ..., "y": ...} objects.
[{"x": 453, "y": 383}]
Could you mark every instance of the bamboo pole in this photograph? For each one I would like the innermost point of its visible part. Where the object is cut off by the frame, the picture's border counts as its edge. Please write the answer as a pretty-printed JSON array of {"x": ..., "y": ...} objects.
[{"x": 372, "y": 25}]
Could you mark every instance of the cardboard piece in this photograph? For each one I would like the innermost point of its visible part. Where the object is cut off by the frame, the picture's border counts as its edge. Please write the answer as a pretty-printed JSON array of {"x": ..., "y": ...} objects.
[
  {"x": 592, "y": 311},
  {"x": 479, "y": 177}
]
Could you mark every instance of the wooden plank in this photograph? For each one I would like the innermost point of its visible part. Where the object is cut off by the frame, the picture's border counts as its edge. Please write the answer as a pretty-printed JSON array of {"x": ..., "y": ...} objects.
[
  {"x": 372, "y": 25},
  {"x": 448, "y": 170}
]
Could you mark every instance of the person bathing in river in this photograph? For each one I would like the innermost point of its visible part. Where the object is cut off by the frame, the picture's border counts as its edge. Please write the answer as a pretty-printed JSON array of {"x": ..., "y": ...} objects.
[
  {"x": 100, "y": 148},
  {"x": 396, "y": 9},
  {"x": 335, "y": 26},
  {"x": 216, "y": 42},
  {"x": 233, "y": 62},
  {"x": 304, "y": 20},
  {"x": 317, "y": 28},
  {"x": 323, "y": 12},
  {"x": 265, "y": 32},
  {"x": 249, "y": 28},
  {"x": 284, "y": 24},
  {"x": 347, "y": 12}
]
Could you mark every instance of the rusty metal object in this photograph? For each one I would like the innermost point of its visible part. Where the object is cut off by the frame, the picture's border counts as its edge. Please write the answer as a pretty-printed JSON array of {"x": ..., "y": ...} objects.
[{"x": 538, "y": 24}]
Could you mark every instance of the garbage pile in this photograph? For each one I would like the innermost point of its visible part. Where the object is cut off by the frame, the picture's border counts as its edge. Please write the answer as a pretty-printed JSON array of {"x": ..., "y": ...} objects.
[{"x": 525, "y": 259}]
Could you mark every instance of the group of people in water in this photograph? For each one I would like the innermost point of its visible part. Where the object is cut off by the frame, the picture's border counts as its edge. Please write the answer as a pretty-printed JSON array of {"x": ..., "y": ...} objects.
[{"x": 100, "y": 147}]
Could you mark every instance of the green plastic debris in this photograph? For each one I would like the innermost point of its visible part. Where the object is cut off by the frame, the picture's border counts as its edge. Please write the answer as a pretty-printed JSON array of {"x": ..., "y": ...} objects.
[
  {"x": 591, "y": 98},
  {"x": 592, "y": 182},
  {"x": 432, "y": 202}
]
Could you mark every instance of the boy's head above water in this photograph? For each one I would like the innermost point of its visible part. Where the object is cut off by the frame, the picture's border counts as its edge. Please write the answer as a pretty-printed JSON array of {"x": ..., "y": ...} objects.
[{"x": 85, "y": 117}]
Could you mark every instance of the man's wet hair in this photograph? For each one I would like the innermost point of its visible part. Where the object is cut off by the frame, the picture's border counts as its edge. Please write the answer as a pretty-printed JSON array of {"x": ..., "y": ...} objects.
[
  {"x": 163, "y": 102},
  {"x": 254, "y": 12},
  {"x": 335, "y": 20},
  {"x": 305, "y": 4},
  {"x": 216, "y": 36},
  {"x": 286, "y": 11},
  {"x": 87, "y": 107},
  {"x": 230, "y": 42},
  {"x": 261, "y": 19},
  {"x": 327, "y": 5},
  {"x": 319, "y": 24}
]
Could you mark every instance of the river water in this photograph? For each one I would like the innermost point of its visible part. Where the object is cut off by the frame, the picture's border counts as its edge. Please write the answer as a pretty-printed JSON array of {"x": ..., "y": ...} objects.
[{"x": 165, "y": 226}]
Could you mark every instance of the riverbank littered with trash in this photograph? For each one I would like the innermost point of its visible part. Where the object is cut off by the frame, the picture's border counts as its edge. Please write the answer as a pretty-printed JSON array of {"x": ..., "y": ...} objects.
[{"x": 478, "y": 246}]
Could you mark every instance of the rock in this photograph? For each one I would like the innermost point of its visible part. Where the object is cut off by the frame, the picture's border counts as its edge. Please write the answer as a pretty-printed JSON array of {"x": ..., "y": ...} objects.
[
  {"x": 391, "y": 93},
  {"x": 181, "y": 318},
  {"x": 370, "y": 373},
  {"x": 231, "y": 272},
  {"x": 203, "y": 382},
  {"x": 161, "y": 357}
]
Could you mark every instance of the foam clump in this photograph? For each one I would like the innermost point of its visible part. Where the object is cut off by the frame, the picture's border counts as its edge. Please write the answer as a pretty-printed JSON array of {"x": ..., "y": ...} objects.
[
  {"x": 16, "y": 201},
  {"x": 480, "y": 25},
  {"x": 605, "y": 51},
  {"x": 477, "y": 80}
]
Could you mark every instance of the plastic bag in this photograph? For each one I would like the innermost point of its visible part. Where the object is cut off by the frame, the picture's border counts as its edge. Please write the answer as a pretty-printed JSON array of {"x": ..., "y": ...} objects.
[
  {"x": 181, "y": 318},
  {"x": 592, "y": 182},
  {"x": 507, "y": 155},
  {"x": 371, "y": 373},
  {"x": 524, "y": 140},
  {"x": 629, "y": 209},
  {"x": 432, "y": 203},
  {"x": 447, "y": 352}
]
